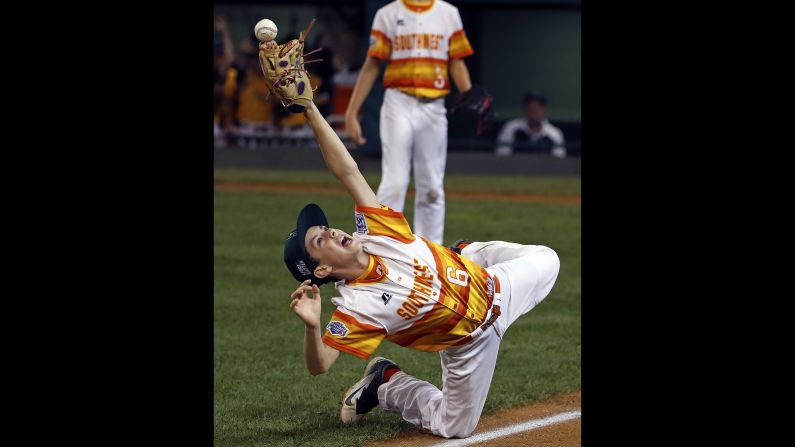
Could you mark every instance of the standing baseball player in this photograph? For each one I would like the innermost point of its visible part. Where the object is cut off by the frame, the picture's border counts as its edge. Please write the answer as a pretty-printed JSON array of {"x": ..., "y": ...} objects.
[
  {"x": 398, "y": 286},
  {"x": 423, "y": 41}
]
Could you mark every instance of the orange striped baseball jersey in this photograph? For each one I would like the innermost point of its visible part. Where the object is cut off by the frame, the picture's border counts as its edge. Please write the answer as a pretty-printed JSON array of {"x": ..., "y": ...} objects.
[
  {"x": 415, "y": 293},
  {"x": 418, "y": 39}
]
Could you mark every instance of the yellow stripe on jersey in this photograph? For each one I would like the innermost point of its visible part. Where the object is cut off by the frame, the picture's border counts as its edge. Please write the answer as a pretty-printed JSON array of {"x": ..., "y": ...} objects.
[
  {"x": 347, "y": 334},
  {"x": 459, "y": 45},
  {"x": 380, "y": 45},
  {"x": 383, "y": 221},
  {"x": 463, "y": 304},
  {"x": 456, "y": 271},
  {"x": 421, "y": 77},
  {"x": 420, "y": 92}
]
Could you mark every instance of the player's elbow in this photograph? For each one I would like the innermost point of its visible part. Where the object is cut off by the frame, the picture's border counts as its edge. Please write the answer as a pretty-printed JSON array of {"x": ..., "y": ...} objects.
[
  {"x": 372, "y": 65},
  {"x": 347, "y": 170},
  {"x": 318, "y": 371}
]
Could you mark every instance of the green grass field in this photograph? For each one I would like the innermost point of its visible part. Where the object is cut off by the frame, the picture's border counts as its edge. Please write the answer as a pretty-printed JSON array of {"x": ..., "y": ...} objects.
[{"x": 263, "y": 392}]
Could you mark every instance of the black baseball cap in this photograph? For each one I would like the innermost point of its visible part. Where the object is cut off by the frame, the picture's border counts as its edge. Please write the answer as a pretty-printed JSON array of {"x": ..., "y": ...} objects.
[
  {"x": 534, "y": 95},
  {"x": 295, "y": 256}
]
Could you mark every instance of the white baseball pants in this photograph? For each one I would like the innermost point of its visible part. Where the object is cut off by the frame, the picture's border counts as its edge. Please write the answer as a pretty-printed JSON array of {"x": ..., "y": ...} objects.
[
  {"x": 414, "y": 133},
  {"x": 527, "y": 274}
]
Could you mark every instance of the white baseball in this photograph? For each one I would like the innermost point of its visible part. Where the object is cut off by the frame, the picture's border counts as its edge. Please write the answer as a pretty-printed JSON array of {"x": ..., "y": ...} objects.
[{"x": 265, "y": 30}]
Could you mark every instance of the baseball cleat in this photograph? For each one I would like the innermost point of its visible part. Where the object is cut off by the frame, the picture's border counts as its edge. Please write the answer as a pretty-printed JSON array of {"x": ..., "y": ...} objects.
[
  {"x": 363, "y": 395},
  {"x": 459, "y": 245}
]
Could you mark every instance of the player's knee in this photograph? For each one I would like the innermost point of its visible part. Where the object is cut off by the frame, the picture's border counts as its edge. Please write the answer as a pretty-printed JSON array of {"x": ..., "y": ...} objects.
[
  {"x": 460, "y": 426},
  {"x": 548, "y": 273},
  {"x": 430, "y": 196},
  {"x": 554, "y": 261}
]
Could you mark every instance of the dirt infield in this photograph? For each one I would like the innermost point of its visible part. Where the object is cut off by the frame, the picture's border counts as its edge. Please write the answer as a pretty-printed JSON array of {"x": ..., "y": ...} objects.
[
  {"x": 558, "y": 435},
  {"x": 467, "y": 195}
]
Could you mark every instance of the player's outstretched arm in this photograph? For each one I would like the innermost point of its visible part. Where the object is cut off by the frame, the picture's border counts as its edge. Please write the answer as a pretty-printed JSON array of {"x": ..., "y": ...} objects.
[
  {"x": 318, "y": 356},
  {"x": 339, "y": 160}
]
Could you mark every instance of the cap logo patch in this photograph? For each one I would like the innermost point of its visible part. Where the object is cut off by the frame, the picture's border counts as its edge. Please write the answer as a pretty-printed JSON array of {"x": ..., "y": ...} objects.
[{"x": 302, "y": 268}]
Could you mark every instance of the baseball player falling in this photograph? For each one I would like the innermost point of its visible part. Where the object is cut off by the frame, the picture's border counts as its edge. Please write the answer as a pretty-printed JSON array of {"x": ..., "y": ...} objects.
[
  {"x": 398, "y": 286},
  {"x": 423, "y": 40}
]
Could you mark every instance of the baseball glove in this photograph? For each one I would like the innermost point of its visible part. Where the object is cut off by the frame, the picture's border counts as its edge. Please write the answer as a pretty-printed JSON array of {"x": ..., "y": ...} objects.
[
  {"x": 475, "y": 101},
  {"x": 283, "y": 67}
]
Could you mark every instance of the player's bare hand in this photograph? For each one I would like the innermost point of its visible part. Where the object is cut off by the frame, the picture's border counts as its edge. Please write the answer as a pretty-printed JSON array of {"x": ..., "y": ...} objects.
[
  {"x": 353, "y": 129},
  {"x": 307, "y": 306}
]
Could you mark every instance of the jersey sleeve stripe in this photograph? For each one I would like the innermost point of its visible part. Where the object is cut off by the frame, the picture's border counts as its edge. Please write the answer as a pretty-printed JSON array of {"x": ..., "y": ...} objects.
[
  {"x": 459, "y": 45},
  {"x": 345, "y": 348},
  {"x": 382, "y": 47},
  {"x": 461, "y": 54},
  {"x": 457, "y": 35},
  {"x": 373, "y": 210},
  {"x": 386, "y": 222},
  {"x": 380, "y": 34},
  {"x": 350, "y": 319}
]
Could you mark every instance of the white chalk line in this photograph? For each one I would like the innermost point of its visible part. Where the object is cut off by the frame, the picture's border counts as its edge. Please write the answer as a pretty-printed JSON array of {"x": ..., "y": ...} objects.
[{"x": 512, "y": 429}]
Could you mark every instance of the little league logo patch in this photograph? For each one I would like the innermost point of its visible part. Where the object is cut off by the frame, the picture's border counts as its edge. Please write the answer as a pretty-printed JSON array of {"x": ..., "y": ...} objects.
[
  {"x": 337, "y": 329},
  {"x": 372, "y": 41},
  {"x": 361, "y": 224}
]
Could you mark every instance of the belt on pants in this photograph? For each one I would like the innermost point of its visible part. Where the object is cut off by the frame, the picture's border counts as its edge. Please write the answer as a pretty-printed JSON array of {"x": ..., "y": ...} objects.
[{"x": 495, "y": 313}]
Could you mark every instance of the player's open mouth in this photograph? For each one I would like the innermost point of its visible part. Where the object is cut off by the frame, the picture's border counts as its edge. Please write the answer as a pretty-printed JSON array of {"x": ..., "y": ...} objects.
[{"x": 346, "y": 241}]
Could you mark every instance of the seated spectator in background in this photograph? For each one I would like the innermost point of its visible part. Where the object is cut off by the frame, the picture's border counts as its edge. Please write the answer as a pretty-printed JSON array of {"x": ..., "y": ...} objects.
[
  {"x": 255, "y": 107},
  {"x": 223, "y": 82},
  {"x": 533, "y": 132}
]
